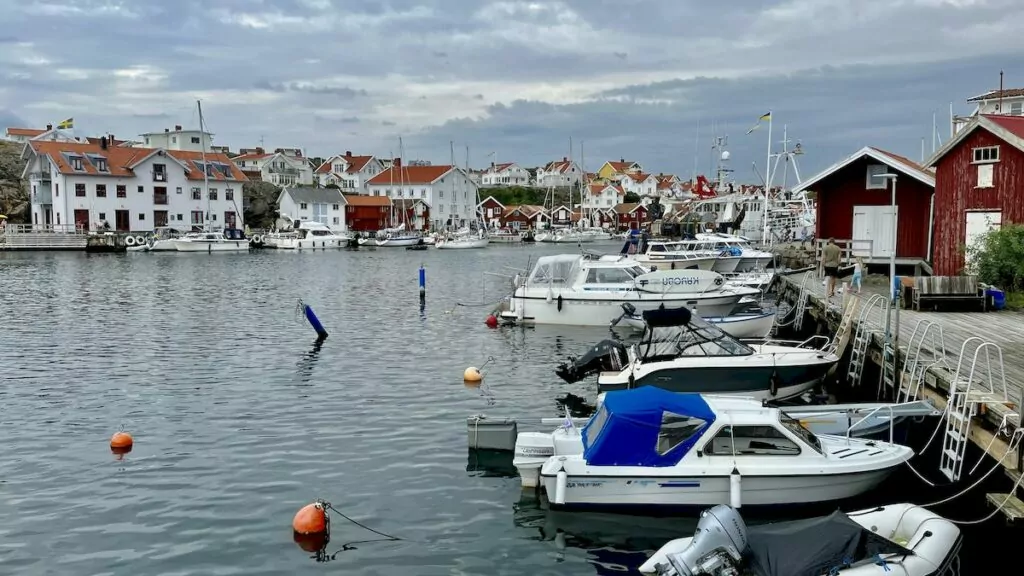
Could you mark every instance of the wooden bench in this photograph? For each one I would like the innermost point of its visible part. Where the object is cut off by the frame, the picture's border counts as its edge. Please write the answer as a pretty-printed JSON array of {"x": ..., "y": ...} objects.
[{"x": 934, "y": 290}]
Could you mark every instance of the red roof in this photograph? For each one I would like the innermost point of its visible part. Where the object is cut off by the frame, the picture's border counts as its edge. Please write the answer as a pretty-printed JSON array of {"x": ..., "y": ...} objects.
[
  {"x": 120, "y": 159},
  {"x": 995, "y": 94},
  {"x": 558, "y": 166},
  {"x": 252, "y": 157},
  {"x": 621, "y": 166},
  {"x": 1012, "y": 124},
  {"x": 409, "y": 175},
  {"x": 628, "y": 208},
  {"x": 356, "y": 163},
  {"x": 638, "y": 177},
  {"x": 30, "y": 132},
  {"x": 599, "y": 188},
  {"x": 362, "y": 200}
]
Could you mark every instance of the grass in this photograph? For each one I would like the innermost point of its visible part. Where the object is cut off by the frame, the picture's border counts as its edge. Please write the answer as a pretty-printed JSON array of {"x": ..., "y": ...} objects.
[{"x": 1015, "y": 301}]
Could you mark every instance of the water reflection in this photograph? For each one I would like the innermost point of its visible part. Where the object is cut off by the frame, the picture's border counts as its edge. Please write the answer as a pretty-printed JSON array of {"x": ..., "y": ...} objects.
[
  {"x": 491, "y": 464},
  {"x": 304, "y": 366}
]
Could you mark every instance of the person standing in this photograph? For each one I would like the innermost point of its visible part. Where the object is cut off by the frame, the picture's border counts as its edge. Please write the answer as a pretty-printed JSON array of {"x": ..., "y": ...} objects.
[
  {"x": 858, "y": 274},
  {"x": 830, "y": 257}
]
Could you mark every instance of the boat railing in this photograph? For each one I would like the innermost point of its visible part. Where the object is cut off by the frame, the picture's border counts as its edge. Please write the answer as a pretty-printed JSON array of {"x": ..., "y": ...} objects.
[
  {"x": 892, "y": 422},
  {"x": 799, "y": 343}
]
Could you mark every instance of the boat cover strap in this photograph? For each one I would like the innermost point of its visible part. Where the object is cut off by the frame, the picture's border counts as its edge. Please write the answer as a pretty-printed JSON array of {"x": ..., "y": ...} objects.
[{"x": 815, "y": 546}]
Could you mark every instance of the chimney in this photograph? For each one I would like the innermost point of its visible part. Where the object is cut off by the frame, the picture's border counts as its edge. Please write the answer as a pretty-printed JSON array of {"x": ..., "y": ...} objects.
[
  {"x": 103, "y": 143},
  {"x": 565, "y": 159},
  {"x": 167, "y": 130},
  {"x": 111, "y": 138},
  {"x": 397, "y": 162},
  {"x": 348, "y": 152},
  {"x": 260, "y": 150},
  {"x": 492, "y": 164},
  {"x": 177, "y": 127},
  {"x": 49, "y": 127},
  {"x": 622, "y": 159}
]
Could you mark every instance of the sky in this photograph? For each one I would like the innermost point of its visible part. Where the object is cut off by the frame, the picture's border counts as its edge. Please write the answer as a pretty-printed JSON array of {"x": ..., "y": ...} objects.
[{"x": 646, "y": 80}]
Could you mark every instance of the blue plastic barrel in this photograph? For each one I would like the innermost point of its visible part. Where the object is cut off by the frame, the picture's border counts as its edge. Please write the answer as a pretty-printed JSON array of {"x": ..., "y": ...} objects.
[{"x": 997, "y": 296}]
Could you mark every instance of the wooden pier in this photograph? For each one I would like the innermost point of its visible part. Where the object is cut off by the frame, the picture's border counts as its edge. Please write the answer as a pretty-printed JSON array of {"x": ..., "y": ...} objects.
[{"x": 994, "y": 423}]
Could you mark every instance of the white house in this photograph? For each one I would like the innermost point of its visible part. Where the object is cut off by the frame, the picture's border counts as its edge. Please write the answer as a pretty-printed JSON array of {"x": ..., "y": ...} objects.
[
  {"x": 603, "y": 196},
  {"x": 638, "y": 183},
  {"x": 348, "y": 172},
  {"x": 278, "y": 168},
  {"x": 1009, "y": 101},
  {"x": 84, "y": 185},
  {"x": 323, "y": 205},
  {"x": 507, "y": 174},
  {"x": 562, "y": 172},
  {"x": 447, "y": 191},
  {"x": 178, "y": 139},
  {"x": 22, "y": 135}
]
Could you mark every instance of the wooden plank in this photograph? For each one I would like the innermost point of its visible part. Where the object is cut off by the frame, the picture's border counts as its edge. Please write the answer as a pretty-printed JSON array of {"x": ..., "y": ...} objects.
[{"x": 1011, "y": 506}]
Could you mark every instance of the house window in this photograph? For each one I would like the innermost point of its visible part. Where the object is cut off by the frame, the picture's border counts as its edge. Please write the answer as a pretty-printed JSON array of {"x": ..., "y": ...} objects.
[
  {"x": 985, "y": 175},
  {"x": 177, "y": 190},
  {"x": 142, "y": 189},
  {"x": 142, "y": 216},
  {"x": 174, "y": 139},
  {"x": 335, "y": 207},
  {"x": 197, "y": 193},
  {"x": 180, "y": 218},
  {"x": 76, "y": 163},
  {"x": 440, "y": 193},
  {"x": 122, "y": 191},
  {"x": 873, "y": 180},
  {"x": 195, "y": 139},
  {"x": 229, "y": 194},
  {"x": 986, "y": 154},
  {"x": 337, "y": 220},
  {"x": 1017, "y": 109},
  {"x": 103, "y": 216},
  {"x": 101, "y": 192},
  {"x": 197, "y": 217},
  {"x": 101, "y": 164},
  {"x": 159, "y": 173},
  {"x": 213, "y": 193},
  {"x": 80, "y": 190},
  {"x": 303, "y": 206}
]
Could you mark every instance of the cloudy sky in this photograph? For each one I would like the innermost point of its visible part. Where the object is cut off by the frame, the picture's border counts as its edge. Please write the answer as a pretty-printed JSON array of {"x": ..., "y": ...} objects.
[{"x": 516, "y": 79}]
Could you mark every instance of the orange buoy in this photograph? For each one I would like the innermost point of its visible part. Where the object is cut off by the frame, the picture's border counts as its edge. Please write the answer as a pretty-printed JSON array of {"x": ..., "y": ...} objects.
[
  {"x": 121, "y": 442},
  {"x": 472, "y": 374},
  {"x": 310, "y": 519}
]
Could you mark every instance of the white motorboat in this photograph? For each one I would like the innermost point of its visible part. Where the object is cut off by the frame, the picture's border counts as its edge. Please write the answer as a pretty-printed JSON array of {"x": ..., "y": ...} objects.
[
  {"x": 758, "y": 280},
  {"x": 650, "y": 447},
  {"x": 581, "y": 290},
  {"x": 681, "y": 352},
  {"x": 751, "y": 258},
  {"x": 572, "y": 235},
  {"x": 903, "y": 539},
  {"x": 309, "y": 235},
  {"x": 162, "y": 240},
  {"x": 743, "y": 325},
  {"x": 464, "y": 239},
  {"x": 532, "y": 449},
  {"x": 668, "y": 255},
  {"x": 727, "y": 261},
  {"x": 230, "y": 240}
]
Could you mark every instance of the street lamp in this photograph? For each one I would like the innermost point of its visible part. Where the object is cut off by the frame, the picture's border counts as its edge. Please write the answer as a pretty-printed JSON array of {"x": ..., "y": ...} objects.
[{"x": 892, "y": 258}]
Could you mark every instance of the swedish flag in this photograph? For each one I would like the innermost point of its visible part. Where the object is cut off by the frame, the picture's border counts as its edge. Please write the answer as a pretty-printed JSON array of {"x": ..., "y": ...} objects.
[
  {"x": 67, "y": 124},
  {"x": 763, "y": 117}
]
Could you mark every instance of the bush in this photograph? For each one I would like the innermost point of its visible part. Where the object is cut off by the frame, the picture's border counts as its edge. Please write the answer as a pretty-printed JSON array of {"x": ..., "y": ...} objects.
[{"x": 999, "y": 258}]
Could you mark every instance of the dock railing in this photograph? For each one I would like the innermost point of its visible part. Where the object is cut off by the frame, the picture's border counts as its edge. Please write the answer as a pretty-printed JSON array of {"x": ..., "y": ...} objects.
[
  {"x": 849, "y": 250},
  {"x": 65, "y": 236}
]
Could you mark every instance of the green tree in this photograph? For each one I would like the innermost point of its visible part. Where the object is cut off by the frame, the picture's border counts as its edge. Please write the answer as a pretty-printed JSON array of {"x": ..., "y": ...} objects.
[
  {"x": 14, "y": 196},
  {"x": 631, "y": 198},
  {"x": 260, "y": 201},
  {"x": 998, "y": 259}
]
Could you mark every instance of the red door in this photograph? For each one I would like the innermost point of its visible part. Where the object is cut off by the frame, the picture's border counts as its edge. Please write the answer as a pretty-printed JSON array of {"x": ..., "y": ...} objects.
[
  {"x": 82, "y": 219},
  {"x": 229, "y": 219}
]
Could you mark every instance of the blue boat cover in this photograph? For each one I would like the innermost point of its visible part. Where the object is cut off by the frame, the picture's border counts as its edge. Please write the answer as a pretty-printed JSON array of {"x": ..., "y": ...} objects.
[{"x": 645, "y": 426}]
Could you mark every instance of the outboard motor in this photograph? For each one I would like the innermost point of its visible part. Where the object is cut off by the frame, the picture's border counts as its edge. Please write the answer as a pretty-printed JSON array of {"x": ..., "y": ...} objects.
[
  {"x": 607, "y": 355},
  {"x": 716, "y": 549}
]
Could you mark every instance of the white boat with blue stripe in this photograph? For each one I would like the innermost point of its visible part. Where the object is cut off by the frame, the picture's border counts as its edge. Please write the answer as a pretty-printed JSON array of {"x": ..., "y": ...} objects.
[{"x": 650, "y": 447}]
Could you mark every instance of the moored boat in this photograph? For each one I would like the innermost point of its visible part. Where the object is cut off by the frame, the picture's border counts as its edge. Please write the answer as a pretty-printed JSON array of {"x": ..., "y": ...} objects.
[{"x": 743, "y": 325}]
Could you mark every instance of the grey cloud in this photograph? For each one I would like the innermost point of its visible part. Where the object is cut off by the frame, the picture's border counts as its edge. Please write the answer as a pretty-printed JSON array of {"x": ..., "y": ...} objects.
[
  {"x": 620, "y": 55},
  {"x": 341, "y": 91},
  {"x": 387, "y": 123}
]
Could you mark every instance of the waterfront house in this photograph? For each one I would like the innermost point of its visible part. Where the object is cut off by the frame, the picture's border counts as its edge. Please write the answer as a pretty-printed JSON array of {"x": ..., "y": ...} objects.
[
  {"x": 639, "y": 183},
  {"x": 490, "y": 211},
  {"x": 22, "y": 135},
  {"x": 609, "y": 170},
  {"x": 179, "y": 139},
  {"x": 415, "y": 214},
  {"x": 979, "y": 185},
  {"x": 522, "y": 217},
  {"x": 853, "y": 203},
  {"x": 559, "y": 173},
  {"x": 1006, "y": 102},
  {"x": 323, "y": 205},
  {"x": 505, "y": 174},
  {"x": 446, "y": 190},
  {"x": 630, "y": 216},
  {"x": 602, "y": 195},
  {"x": 83, "y": 185},
  {"x": 561, "y": 216},
  {"x": 348, "y": 172},
  {"x": 283, "y": 167},
  {"x": 367, "y": 213}
]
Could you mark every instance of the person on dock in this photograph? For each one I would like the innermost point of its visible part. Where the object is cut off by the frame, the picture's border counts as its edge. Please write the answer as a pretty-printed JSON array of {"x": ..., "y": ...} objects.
[
  {"x": 858, "y": 274},
  {"x": 830, "y": 256}
]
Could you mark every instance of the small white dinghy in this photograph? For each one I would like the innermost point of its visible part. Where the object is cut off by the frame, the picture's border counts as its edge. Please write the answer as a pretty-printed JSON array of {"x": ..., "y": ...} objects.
[
  {"x": 745, "y": 325},
  {"x": 903, "y": 539}
]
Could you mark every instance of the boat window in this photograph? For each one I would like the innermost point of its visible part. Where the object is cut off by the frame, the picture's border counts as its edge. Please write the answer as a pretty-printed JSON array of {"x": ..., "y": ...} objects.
[
  {"x": 657, "y": 248},
  {"x": 676, "y": 429},
  {"x": 608, "y": 276},
  {"x": 595, "y": 426},
  {"x": 801, "y": 432},
  {"x": 751, "y": 441}
]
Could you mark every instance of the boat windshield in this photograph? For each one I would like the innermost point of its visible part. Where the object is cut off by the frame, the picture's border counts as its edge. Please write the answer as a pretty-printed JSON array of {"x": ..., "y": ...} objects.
[
  {"x": 560, "y": 269},
  {"x": 695, "y": 338},
  {"x": 801, "y": 432}
]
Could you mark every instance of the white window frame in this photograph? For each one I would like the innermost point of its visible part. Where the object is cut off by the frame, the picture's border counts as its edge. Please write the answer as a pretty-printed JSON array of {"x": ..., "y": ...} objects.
[
  {"x": 1017, "y": 109},
  {"x": 873, "y": 181},
  {"x": 985, "y": 155},
  {"x": 986, "y": 175}
]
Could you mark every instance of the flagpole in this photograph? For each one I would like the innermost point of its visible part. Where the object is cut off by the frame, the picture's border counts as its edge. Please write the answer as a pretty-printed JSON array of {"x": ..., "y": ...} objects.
[{"x": 767, "y": 181}]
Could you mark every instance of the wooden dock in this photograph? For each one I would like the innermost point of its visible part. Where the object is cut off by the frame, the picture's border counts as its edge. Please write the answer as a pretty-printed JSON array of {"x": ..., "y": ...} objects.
[{"x": 1003, "y": 328}]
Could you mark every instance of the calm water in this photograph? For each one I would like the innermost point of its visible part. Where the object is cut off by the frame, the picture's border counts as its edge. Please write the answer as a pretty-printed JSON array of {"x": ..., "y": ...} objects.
[{"x": 239, "y": 420}]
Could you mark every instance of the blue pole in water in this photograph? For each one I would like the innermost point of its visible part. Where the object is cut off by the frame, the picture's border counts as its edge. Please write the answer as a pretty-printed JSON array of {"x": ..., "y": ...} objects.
[
  {"x": 423, "y": 282},
  {"x": 314, "y": 321}
]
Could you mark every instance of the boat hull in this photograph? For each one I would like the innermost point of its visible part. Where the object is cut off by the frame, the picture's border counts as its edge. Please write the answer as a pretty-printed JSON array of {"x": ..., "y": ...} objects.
[
  {"x": 726, "y": 264},
  {"x": 677, "y": 264},
  {"x": 462, "y": 244},
  {"x": 307, "y": 243},
  {"x": 601, "y": 312},
  {"x": 592, "y": 490},
  {"x": 738, "y": 326},
  {"x": 397, "y": 242},
  {"x": 225, "y": 246}
]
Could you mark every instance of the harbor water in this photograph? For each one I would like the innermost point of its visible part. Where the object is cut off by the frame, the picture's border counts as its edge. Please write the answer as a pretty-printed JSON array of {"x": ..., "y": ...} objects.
[{"x": 240, "y": 418}]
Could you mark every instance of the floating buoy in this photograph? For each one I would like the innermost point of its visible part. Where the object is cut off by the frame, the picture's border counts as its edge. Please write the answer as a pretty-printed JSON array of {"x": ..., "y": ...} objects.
[
  {"x": 121, "y": 442},
  {"x": 311, "y": 519},
  {"x": 472, "y": 374},
  {"x": 492, "y": 321}
]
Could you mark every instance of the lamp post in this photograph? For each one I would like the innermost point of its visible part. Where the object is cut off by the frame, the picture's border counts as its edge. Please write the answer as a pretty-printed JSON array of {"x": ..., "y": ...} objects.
[{"x": 893, "y": 293}]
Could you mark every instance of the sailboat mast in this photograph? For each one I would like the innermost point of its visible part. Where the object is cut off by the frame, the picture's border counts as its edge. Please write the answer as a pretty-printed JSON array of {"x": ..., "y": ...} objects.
[
  {"x": 455, "y": 192},
  {"x": 401, "y": 179},
  {"x": 583, "y": 184},
  {"x": 206, "y": 171}
]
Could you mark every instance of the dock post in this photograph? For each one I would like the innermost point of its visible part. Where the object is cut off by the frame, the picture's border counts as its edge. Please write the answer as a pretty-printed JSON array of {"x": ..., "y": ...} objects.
[{"x": 423, "y": 283}]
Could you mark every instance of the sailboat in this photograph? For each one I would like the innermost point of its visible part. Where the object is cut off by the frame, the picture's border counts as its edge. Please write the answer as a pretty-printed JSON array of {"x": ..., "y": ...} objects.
[
  {"x": 208, "y": 240},
  {"x": 467, "y": 237},
  {"x": 399, "y": 236},
  {"x": 581, "y": 233}
]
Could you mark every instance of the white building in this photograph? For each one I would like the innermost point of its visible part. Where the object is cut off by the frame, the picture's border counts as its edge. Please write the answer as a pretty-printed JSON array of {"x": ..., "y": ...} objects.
[
  {"x": 278, "y": 167},
  {"x": 178, "y": 139},
  {"x": 348, "y": 172},
  {"x": 323, "y": 205},
  {"x": 603, "y": 196},
  {"x": 22, "y": 135},
  {"x": 1008, "y": 102},
  {"x": 507, "y": 174},
  {"x": 558, "y": 173},
  {"x": 83, "y": 185},
  {"x": 639, "y": 183},
  {"x": 447, "y": 191}
]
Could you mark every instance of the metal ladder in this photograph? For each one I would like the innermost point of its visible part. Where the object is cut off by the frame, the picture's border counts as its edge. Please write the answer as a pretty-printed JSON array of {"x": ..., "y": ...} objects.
[
  {"x": 887, "y": 379},
  {"x": 801, "y": 303},
  {"x": 862, "y": 339},
  {"x": 965, "y": 394},
  {"x": 920, "y": 359},
  {"x": 845, "y": 325}
]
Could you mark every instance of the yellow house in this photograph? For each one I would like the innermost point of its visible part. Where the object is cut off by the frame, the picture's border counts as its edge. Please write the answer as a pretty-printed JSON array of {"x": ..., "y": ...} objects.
[{"x": 612, "y": 168}]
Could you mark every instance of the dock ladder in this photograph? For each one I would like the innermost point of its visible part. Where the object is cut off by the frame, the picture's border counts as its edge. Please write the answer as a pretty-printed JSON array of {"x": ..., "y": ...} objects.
[
  {"x": 866, "y": 329},
  {"x": 923, "y": 353},
  {"x": 967, "y": 391},
  {"x": 801, "y": 303},
  {"x": 842, "y": 338}
]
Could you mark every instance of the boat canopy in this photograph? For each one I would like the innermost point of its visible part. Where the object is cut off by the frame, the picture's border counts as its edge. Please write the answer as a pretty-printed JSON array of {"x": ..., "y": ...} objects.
[
  {"x": 673, "y": 332},
  {"x": 556, "y": 269},
  {"x": 645, "y": 426}
]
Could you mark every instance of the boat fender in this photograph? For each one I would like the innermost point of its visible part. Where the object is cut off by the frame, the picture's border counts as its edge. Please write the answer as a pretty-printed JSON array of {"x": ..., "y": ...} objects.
[
  {"x": 129, "y": 241},
  {"x": 559, "y": 302},
  {"x": 719, "y": 281},
  {"x": 773, "y": 383},
  {"x": 735, "y": 488},
  {"x": 140, "y": 240},
  {"x": 561, "y": 481}
]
